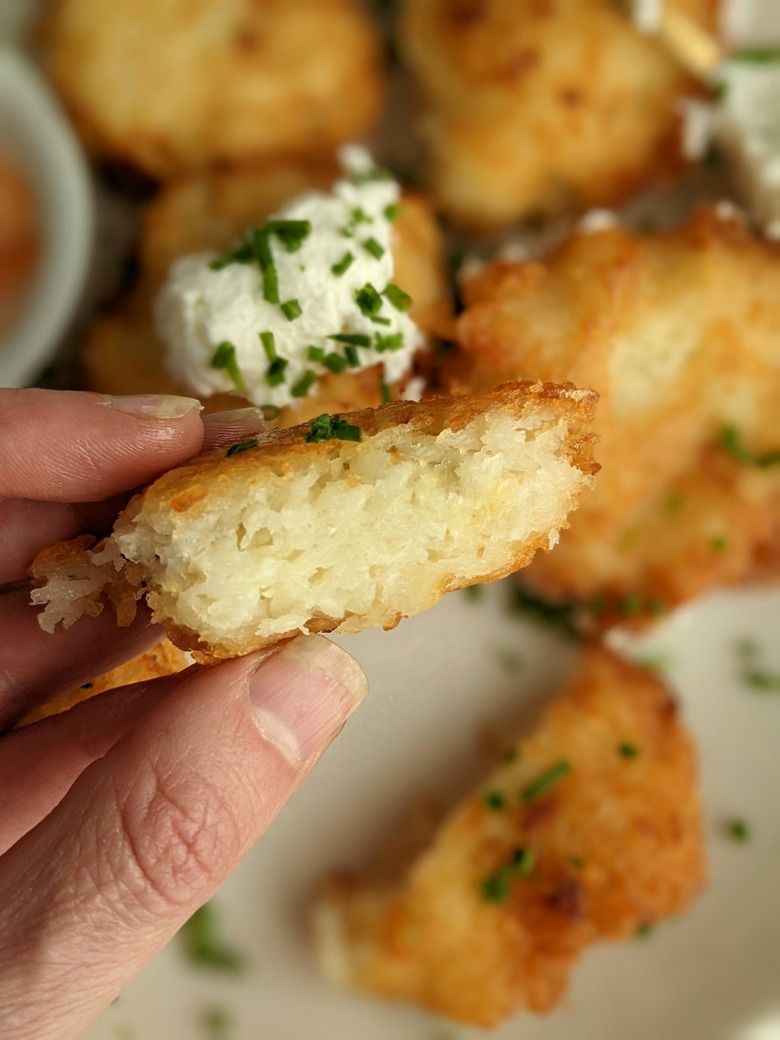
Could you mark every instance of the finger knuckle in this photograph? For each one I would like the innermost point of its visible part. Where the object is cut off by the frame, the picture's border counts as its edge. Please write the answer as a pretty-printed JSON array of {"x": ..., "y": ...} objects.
[{"x": 180, "y": 836}]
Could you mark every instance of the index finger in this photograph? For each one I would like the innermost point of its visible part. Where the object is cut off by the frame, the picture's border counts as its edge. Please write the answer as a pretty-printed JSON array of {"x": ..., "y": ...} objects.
[{"x": 67, "y": 446}]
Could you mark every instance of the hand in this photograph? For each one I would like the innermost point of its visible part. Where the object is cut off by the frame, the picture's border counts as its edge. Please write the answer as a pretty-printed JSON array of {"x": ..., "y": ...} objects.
[{"x": 121, "y": 817}]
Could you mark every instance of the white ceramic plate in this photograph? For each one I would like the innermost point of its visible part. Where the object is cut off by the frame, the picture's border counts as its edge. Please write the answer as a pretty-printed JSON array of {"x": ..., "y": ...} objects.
[
  {"x": 40, "y": 140},
  {"x": 436, "y": 682}
]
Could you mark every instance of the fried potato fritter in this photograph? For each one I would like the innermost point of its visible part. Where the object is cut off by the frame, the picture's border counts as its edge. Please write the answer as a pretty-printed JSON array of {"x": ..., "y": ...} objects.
[
  {"x": 184, "y": 84},
  {"x": 679, "y": 333},
  {"x": 335, "y": 526},
  {"x": 536, "y": 107},
  {"x": 591, "y": 832},
  {"x": 163, "y": 659},
  {"x": 122, "y": 354}
]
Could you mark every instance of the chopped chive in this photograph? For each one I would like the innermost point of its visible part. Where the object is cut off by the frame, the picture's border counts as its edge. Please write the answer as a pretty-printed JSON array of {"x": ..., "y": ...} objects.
[
  {"x": 336, "y": 363},
  {"x": 316, "y": 354},
  {"x": 630, "y": 605},
  {"x": 758, "y": 55},
  {"x": 753, "y": 673},
  {"x": 381, "y": 321},
  {"x": 332, "y": 427},
  {"x": 545, "y": 782},
  {"x": 270, "y": 411},
  {"x": 236, "y": 449},
  {"x": 355, "y": 339},
  {"x": 291, "y": 309},
  {"x": 644, "y": 931},
  {"x": 730, "y": 441},
  {"x": 343, "y": 265},
  {"x": 265, "y": 259},
  {"x": 719, "y": 543},
  {"x": 302, "y": 386},
  {"x": 400, "y": 300},
  {"x": 224, "y": 358},
  {"x": 738, "y": 830},
  {"x": 242, "y": 254},
  {"x": 377, "y": 173},
  {"x": 217, "y": 1023},
  {"x": 474, "y": 593},
  {"x": 291, "y": 233},
  {"x": 275, "y": 374},
  {"x": 498, "y": 887},
  {"x": 269, "y": 344},
  {"x": 628, "y": 750},
  {"x": 494, "y": 800},
  {"x": 393, "y": 342},
  {"x": 713, "y": 157},
  {"x": 577, "y": 862},
  {"x": 558, "y": 615},
  {"x": 392, "y": 212},
  {"x": 203, "y": 946},
  {"x": 359, "y": 216},
  {"x": 368, "y": 300},
  {"x": 351, "y": 354},
  {"x": 384, "y": 389},
  {"x": 374, "y": 248}
]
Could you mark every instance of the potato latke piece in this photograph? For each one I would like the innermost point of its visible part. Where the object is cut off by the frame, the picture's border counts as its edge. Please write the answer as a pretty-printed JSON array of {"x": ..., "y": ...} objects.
[
  {"x": 122, "y": 354},
  {"x": 163, "y": 659},
  {"x": 539, "y": 107},
  {"x": 319, "y": 529},
  {"x": 613, "y": 846},
  {"x": 183, "y": 84},
  {"x": 680, "y": 335}
]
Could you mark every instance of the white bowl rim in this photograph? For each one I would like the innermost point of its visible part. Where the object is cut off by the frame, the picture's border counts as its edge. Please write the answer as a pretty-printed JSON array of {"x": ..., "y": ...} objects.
[{"x": 61, "y": 177}]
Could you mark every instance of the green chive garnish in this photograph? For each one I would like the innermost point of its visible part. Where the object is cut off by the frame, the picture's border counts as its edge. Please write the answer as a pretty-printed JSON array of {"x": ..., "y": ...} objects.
[
  {"x": 302, "y": 386},
  {"x": 316, "y": 354},
  {"x": 356, "y": 339},
  {"x": 275, "y": 374},
  {"x": 270, "y": 411},
  {"x": 377, "y": 173},
  {"x": 738, "y": 830},
  {"x": 474, "y": 593},
  {"x": 545, "y": 782},
  {"x": 243, "y": 254},
  {"x": 291, "y": 233},
  {"x": 400, "y": 300},
  {"x": 291, "y": 309},
  {"x": 628, "y": 750},
  {"x": 374, "y": 248},
  {"x": 498, "y": 887},
  {"x": 719, "y": 543},
  {"x": 336, "y": 363},
  {"x": 730, "y": 440},
  {"x": 203, "y": 946},
  {"x": 265, "y": 259},
  {"x": 494, "y": 801},
  {"x": 384, "y": 389},
  {"x": 332, "y": 427},
  {"x": 224, "y": 358},
  {"x": 343, "y": 264},
  {"x": 351, "y": 354},
  {"x": 359, "y": 216},
  {"x": 269, "y": 345},
  {"x": 383, "y": 343},
  {"x": 368, "y": 300},
  {"x": 392, "y": 212},
  {"x": 759, "y": 55},
  {"x": 236, "y": 449},
  {"x": 644, "y": 931}
]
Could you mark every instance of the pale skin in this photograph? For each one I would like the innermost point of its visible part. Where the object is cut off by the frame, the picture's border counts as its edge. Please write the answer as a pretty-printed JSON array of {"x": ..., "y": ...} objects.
[{"x": 119, "y": 818}]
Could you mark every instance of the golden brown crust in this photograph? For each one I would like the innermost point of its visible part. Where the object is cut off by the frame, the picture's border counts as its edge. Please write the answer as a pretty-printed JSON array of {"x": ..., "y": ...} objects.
[
  {"x": 677, "y": 331},
  {"x": 278, "y": 451},
  {"x": 618, "y": 845},
  {"x": 186, "y": 84},
  {"x": 163, "y": 659},
  {"x": 533, "y": 107}
]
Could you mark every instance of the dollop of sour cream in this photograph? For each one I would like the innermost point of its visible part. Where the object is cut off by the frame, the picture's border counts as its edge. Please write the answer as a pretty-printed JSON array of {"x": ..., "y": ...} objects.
[{"x": 308, "y": 293}]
